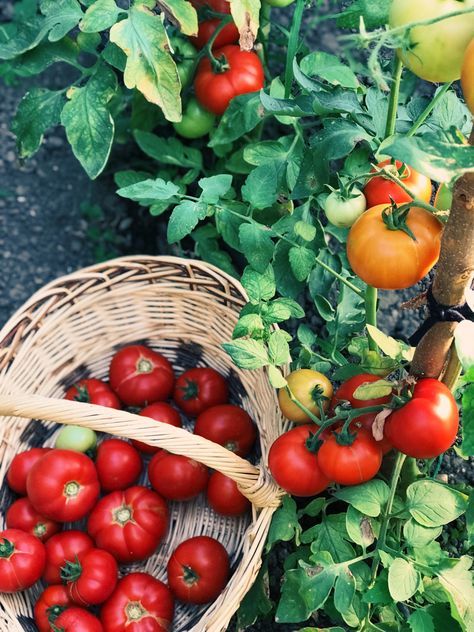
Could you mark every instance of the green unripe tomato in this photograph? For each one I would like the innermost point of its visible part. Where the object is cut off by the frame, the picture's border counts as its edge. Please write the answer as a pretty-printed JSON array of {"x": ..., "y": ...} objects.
[
  {"x": 279, "y": 3},
  {"x": 443, "y": 198},
  {"x": 342, "y": 211},
  {"x": 196, "y": 121},
  {"x": 76, "y": 438},
  {"x": 184, "y": 54}
]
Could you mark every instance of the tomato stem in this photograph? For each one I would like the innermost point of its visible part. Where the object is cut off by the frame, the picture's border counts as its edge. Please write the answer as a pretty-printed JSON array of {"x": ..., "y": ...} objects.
[
  {"x": 190, "y": 390},
  {"x": 302, "y": 407},
  {"x": 393, "y": 100},
  {"x": 293, "y": 43},
  {"x": 371, "y": 295},
  {"x": 428, "y": 109},
  {"x": 71, "y": 571},
  {"x": 218, "y": 65}
]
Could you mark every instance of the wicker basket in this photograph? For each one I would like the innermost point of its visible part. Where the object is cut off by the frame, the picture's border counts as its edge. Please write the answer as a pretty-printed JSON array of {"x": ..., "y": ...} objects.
[{"x": 70, "y": 330}]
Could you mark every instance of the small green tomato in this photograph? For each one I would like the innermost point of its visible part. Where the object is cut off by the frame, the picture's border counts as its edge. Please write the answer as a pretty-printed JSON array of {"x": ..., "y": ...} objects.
[
  {"x": 76, "y": 438},
  {"x": 196, "y": 121},
  {"x": 343, "y": 211}
]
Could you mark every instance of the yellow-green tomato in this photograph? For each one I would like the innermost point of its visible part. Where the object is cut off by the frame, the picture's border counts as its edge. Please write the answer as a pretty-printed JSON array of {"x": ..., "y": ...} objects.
[
  {"x": 279, "y": 3},
  {"x": 76, "y": 438},
  {"x": 436, "y": 50},
  {"x": 310, "y": 388},
  {"x": 343, "y": 211},
  {"x": 196, "y": 121},
  {"x": 443, "y": 198}
]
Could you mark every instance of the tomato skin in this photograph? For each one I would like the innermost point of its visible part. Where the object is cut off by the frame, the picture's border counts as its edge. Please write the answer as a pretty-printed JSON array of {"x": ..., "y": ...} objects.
[
  {"x": 379, "y": 190},
  {"x": 93, "y": 391},
  {"x": 61, "y": 548},
  {"x": 467, "y": 76},
  {"x": 390, "y": 259},
  {"x": 118, "y": 464},
  {"x": 160, "y": 411},
  {"x": 198, "y": 570},
  {"x": 427, "y": 425},
  {"x": 22, "y": 559},
  {"x": 436, "y": 50},
  {"x": 21, "y": 465},
  {"x": 129, "y": 524},
  {"x": 52, "y": 601},
  {"x": 76, "y": 438},
  {"x": 139, "y": 603},
  {"x": 302, "y": 383},
  {"x": 345, "y": 392},
  {"x": 366, "y": 421},
  {"x": 224, "y": 496},
  {"x": 228, "y": 35},
  {"x": 293, "y": 466},
  {"x": 22, "y": 515},
  {"x": 183, "y": 55},
  {"x": 177, "y": 477},
  {"x": 141, "y": 376},
  {"x": 196, "y": 121},
  {"x": 279, "y": 3},
  {"x": 229, "y": 426},
  {"x": 200, "y": 388},
  {"x": 214, "y": 91},
  {"x": 78, "y": 620},
  {"x": 91, "y": 578},
  {"x": 63, "y": 485},
  {"x": 350, "y": 464},
  {"x": 342, "y": 211}
]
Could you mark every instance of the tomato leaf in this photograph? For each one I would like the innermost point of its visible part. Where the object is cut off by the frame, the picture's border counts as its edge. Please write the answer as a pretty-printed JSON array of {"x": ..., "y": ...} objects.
[
  {"x": 338, "y": 138},
  {"x": 344, "y": 590},
  {"x": 257, "y": 602},
  {"x": 302, "y": 261},
  {"x": 457, "y": 582},
  {"x": 182, "y": 14},
  {"x": 330, "y": 535},
  {"x": 278, "y": 348},
  {"x": 262, "y": 184},
  {"x": 259, "y": 287},
  {"x": 394, "y": 349},
  {"x": 275, "y": 377},
  {"x": 244, "y": 113},
  {"x": 421, "y": 621},
  {"x": 38, "y": 59},
  {"x": 184, "y": 218},
  {"x": 257, "y": 245},
  {"x": 403, "y": 579},
  {"x": 432, "y": 504},
  {"x": 282, "y": 309},
  {"x": 146, "y": 191},
  {"x": 100, "y": 16},
  {"x": 418, "y": 536},
  {"x": 368, "y": 498},
  {"x": 375, "y": 14},
  {"x": 284, "y": 526},
  {"x": 247, "y": 354},
  {"x": 214, "y": 187},
  {"x": 168, "y": 151},
  {"x": 378, "y": 594},
  {"x": 329, "y": 68},
  {"x": 373, "y": 390},
  {"x": 362, "y": 529},
  {"x": 246, "y": 16}
]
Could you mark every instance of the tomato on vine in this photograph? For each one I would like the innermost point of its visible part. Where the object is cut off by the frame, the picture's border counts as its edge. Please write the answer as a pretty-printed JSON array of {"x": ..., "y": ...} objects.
[
  {"x": 344, "y": 205},
  {"x": 380, "y": 190},
  {"x": 310, "y": 388},
  {"x": 196, "y": 121}
]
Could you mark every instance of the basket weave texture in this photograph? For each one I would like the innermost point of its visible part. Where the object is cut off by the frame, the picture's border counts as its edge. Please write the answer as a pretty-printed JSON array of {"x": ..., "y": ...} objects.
[{"x": 69, "y": 330}]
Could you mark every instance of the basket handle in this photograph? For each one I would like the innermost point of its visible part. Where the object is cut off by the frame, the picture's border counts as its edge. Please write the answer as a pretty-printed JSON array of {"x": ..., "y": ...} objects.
[{"x": 254, "y": 482}]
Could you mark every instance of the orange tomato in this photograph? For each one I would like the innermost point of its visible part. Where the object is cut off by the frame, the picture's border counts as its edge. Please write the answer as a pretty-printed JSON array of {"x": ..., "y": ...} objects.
[{"x": 467, "y": 76}]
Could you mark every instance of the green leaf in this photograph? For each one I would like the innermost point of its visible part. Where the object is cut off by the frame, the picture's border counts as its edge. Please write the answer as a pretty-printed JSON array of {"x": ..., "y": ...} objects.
[
  {"x": 62, "y": 16},
  {"x": 247, "y": 354},
  {"x": 403, "y": 579},
  {"x": 324, "y": 307},
  {"x": 184, "y": 218},
  {"x": 432, "y": 504},
  {"x": 295, "y": 107},
  {"x": 362, "y": 529},
  {"x": 329, "y": 68},
  {"x": 262, "y": 185},
  {"x": 344, "y": 590},
  {"x": 150, "y": 67},
  {"x": 375, "y": 14},
  {"x": 38, "y": 110},
  {"x": 467, "y": 445},
  {"x": 149, "y": 190},
  {"x": 208, "y": 248},
  {"x": 114, "y": 56},
  {"x": 267, "y": 151},
  {"x": 305, "y": 231},
  {"x": 246, "y": 15},
  {"x": 373, "y": 390},
  {"x": 127, "y": 177},
  {"x": 244, "y": 113},
  {"x": 182, "y": 13},
  {"x": 89, "y": 125},
  {"x": 379, "y": 593},
  {"x": 168, "y": 151},
  {"x": 276, "y": 378},
  {"x": 215, "y": 187},
  {"x": 256, "y": 245},
  {"x": 470, "y": 519},
  {"x": 282, "y": 309},
  {"x": 288, "y": 285},
  {"x": 278, "y": 348},
  {"x": 338, "y": 138},
  {"x": 256, "y": 603},
  {"x": 259, "y": 287},
  {"x": 330, "y": 535},
  {"x": 284, "y": 525},
  {"x": 302, "y": 261},
  {"x": 368, "y": 498},
  {"x": 248, "y": 325},
  {"x": 392, "y": 348},
  {"x": 456, "y": 579},
  {"x": 418, "y": 536},
  {"x": 100, "y": 16},
  {"x": 35, "y": 61},
  {"x": 421, "y": 621}
]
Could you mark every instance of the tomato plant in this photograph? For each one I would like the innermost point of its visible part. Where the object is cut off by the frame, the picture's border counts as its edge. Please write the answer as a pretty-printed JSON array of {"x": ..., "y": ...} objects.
[
  {"x": 224, "y": 496},
  {"x": 310, "y": 388},
  {"x": 91, "y": 577},
  {"x": 78, "y": 620},
  {"x": 22, "y": 515},
  {"x": 22, "y": 559},
  {"x": 229, "y": 34},
  {"x": 92, "y": 391},
  {"x": 345, "y": 392},
  {"x": 228, "y": 425},
  {"x": 200, "y": 388},
  {"x": 63, "y": 548},
  {"x": 196, "y": 121},
  {"x": 184, "y": 54},
  {"x": 177, "y": 477},
  {"x": 21, "y": 465},
  {"x": 160, "y": 411},
  {"x": 380, "y": 190},
  {"x": 118, "y": 464},
  {"x": 51, "y": 603},
  {"x": 343, "y": 210}
]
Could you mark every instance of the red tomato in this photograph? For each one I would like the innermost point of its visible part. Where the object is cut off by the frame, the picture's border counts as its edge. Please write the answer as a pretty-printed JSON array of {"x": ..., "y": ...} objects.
[
  {"x": 63, "y": 485},
  {"x": 62, "y": 548},
  {"x": 22, "y": 515},
  {"x": 366, "y": 421},
  {"x": 93, "y": 391},
  {"x": 118, "y": 464},
  {"x": 22, "y": 559},
  {"x": 427, "y": 425},
  {"x": 293, "y": 466},
  {"x": 350, "y": 464},
  {"x": 129, "y": 524},
  {"x": 177, "y": 477},
  {"x": 78, "y": 620},
  {"x": 346, "y": 392},
  {"x": 21, "y": 465},
  {"x": 140, "y": 603},
  {"x": 91, "y": 577},
  {"x": 228, "y": 35},
  {"x": 214, "y": 90},
  {"x": 160, "y": 411},
  {"x": 141, "y": 376},
  {"x": 228, "y": 425},
  {"x": 224, "y": 496},
  {"x": 199, "y": 389},
  {"x": 379, "y": 190},
  {"x": 198, "y": 570},
  {"x": 219, "y": 6},
  {"x": 52, "y": 601}
]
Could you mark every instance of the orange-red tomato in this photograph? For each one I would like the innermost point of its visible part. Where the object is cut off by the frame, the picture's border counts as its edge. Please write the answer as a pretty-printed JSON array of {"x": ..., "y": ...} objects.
[
  {"x": 391, "y": 259},
  {"x": 467, "y": 76},
  {"x": 379, "y": 190}
]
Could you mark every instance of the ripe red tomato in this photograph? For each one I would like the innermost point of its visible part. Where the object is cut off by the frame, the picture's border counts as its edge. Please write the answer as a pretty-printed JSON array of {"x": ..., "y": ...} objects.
[
  {"x": 22, "y": 559},
  {"x": 214, "y": 90},
  {"x": 20, "y": 466},
  {"x": 129, "y": 524},
  {"x": 346, "y": 392},
  {"x": 224, "y": 496},
  {"x": 366, "y": 421},
  {"x": 293, "y": 466},
  {"x": 52, "y": 601},
  {"x": 390, "y": 259},
  {"x": 379, "y": 190},
  {"x": 177, "y": 477},
  {"x": 350, "y": 464},
  {"x": 228, "y": 35},
  {"x": 198, "y": 570},
  {"x": 63, "y": 485},
  {"x": 427, "y": 425},
  {"x": 22, "y": 515},
  {"x": 228, "y": 425},
  {"x": 78, "y": 620},
  {"x": 160, "y": 411},
  {"x": 141, "y": 376},
  {"x": 62, "y": 548},
  {"x": 118, "y": 464},
  {"x": 91, "y": 577},
  {"x": 140, "y": 603},
  {"x": 93, "y": 391},
  {"x": 199, "y": 389}
]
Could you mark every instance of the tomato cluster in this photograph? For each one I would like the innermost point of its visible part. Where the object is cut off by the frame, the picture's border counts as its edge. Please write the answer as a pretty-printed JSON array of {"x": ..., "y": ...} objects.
[{"x": 122, "y": 519}]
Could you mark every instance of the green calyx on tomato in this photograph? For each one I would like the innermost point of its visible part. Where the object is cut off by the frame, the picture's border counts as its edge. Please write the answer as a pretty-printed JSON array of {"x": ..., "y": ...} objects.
[
  {"x": 135, "y": 611},
  {"x": 71, "y": 571},
  {"x": 196, "y": 122},
  {"x": 395, "y": 218},
  {"x": 7, "y": 548},
  {"x": 190, "y": 577},
  {"x": 184, "y": 55},
  {"x": 344, "y": 205}
]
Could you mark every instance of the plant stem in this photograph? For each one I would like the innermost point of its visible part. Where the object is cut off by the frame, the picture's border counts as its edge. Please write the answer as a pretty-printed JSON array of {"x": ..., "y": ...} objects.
[
  {"x": 306, "y": 411},
  {"x": 428, "y": 109},
  {"x": 393, "y": 100},
  {"x": 293, "y": 41},
  {"x": 371, "y": 312}
]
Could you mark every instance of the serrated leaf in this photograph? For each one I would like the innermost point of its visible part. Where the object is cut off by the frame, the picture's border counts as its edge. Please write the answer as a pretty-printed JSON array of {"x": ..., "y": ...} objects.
[
  {"x": 338, "y": 138},
  {"x": 262, "y": 185},
  {"x": 259, "y": 287},
  {"x": 330, "y": 535},
  {"x": 344, "y": 590},
  {"x": 244, "y": 113},
  {"x": 368, "y": 498},
  {"x": 62, "y": 16},
  {"x": 284, "y": 525},
  {"x": 432, "y": 504},
  {"x": 278, "y": 348},
  {"x": 361, "y": 528},
  {"x": 282, "y": 309},
  {"x": 38, "y": 110},
  {"x": 150, "y": 67},
  {"x": 387, "y": 344},
  {"x": 418, "y": 536},
  {"x": 403, "y": 579},
  {"x": 148, "y": 190},
  {"x": 330, "y": 68},
  {"x": 246, "y": 15},
  {"x": 276, "y": 377},
  {"x": 184, "y": 218},
  {"x": 421, "y": 621},
  {"x": 181, "y": 13},
  {"x": 214, "y": 187},
  {"x": 247, "y": 354},
  {"x": 305, "y": 231},
  {"x": 101, "y": 15},
  {"x": 168, "y": 151},
  {"x": 257, "y": 245},
  {"x": 35, "y": 61},
  {"x": 248, "y": 325},
  {"x": 456, "y": 579},
  {"x": 375, "y": 14},
  {"x": 302, "y": 261}
]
